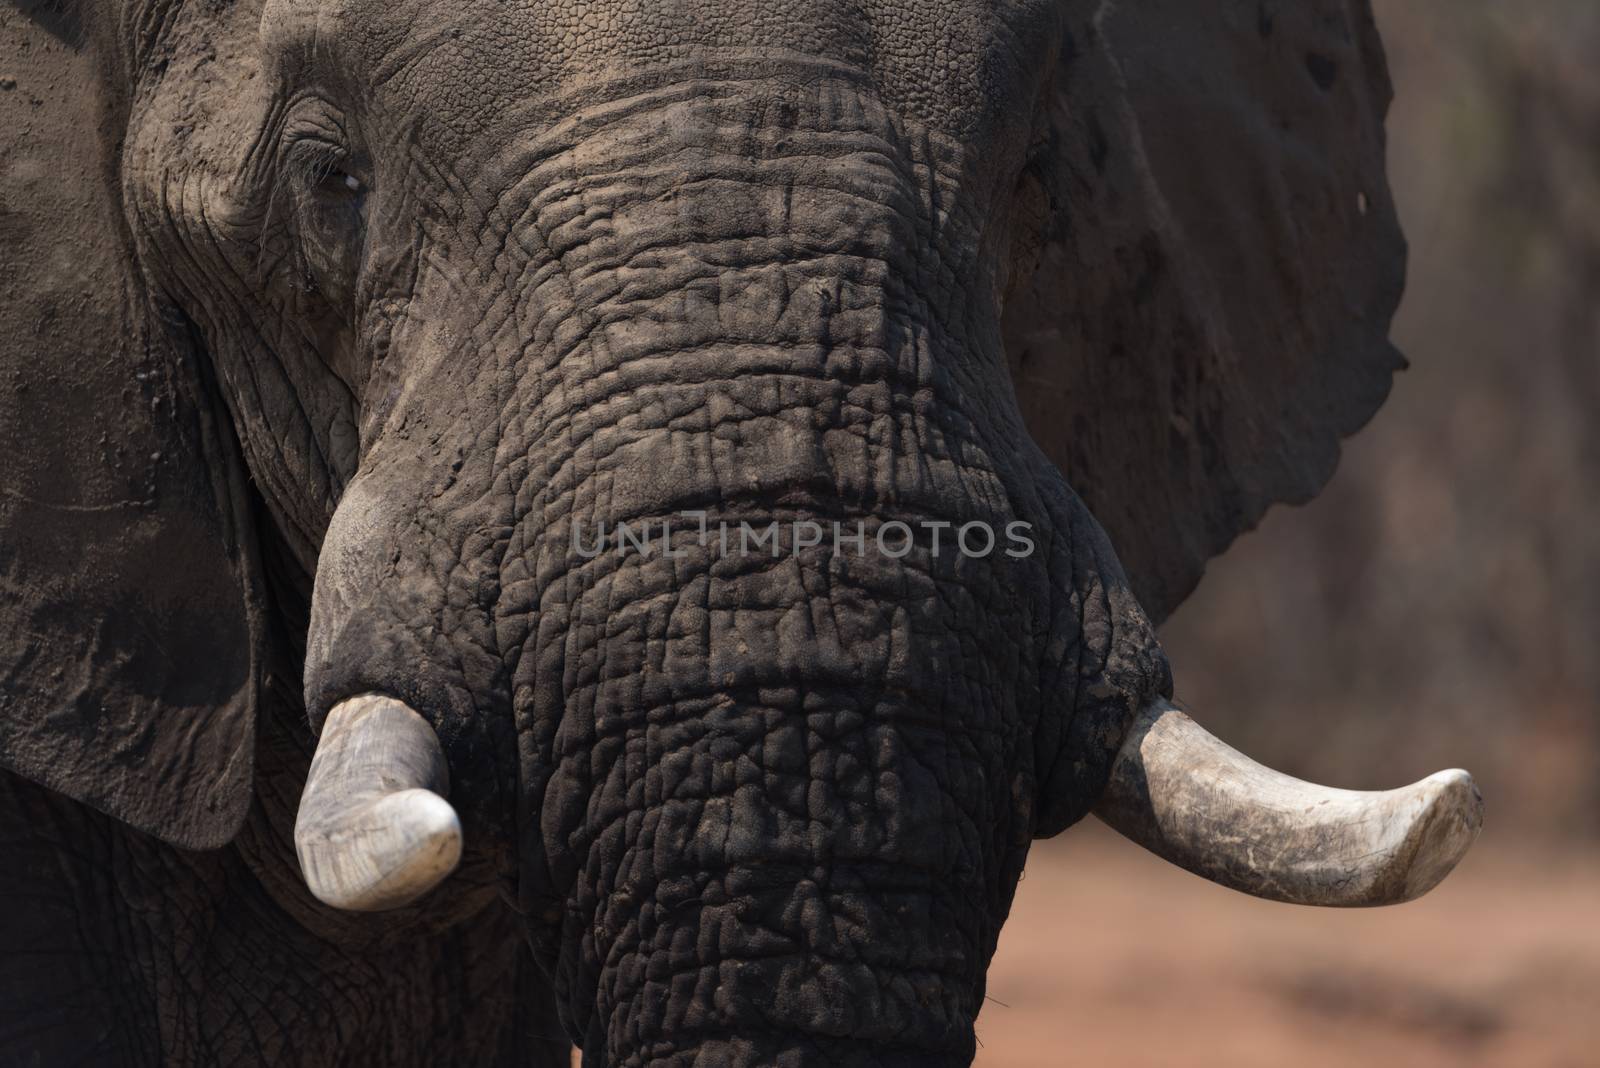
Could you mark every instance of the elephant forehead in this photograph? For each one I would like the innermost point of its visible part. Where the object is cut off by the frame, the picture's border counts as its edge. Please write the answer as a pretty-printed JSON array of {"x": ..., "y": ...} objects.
[{"x": 959, "y": 66}]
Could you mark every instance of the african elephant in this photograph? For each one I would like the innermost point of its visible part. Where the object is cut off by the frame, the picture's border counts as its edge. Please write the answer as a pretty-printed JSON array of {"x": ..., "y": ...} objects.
[{"x": 345, "y": 345}]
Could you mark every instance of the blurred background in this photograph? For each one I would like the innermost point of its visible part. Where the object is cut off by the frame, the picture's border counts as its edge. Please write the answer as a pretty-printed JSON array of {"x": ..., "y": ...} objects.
[{"x": 1437, "y": 606}]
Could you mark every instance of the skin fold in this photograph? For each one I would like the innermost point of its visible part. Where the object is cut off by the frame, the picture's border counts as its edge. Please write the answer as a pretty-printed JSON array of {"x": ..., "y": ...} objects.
[{"x": 458, "y": 279}]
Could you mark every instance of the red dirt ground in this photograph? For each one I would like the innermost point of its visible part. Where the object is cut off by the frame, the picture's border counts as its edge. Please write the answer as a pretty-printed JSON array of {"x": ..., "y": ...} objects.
[{"x": 1114, "y": 958}]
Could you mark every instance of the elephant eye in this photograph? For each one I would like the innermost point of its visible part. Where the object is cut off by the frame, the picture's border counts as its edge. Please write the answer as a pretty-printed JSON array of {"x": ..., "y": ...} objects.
[
  {"x": 331, "y": 206},
  {"x": 325, "y": 169},
  {"x": 334, "y": 179},
  {"x": 339, "y": 182}
]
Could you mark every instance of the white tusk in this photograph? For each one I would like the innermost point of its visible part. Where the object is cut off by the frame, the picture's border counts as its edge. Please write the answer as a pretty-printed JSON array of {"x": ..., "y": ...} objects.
[
  {"x": 1192, "y": 800},
  {"x": 374, "y": 829}
]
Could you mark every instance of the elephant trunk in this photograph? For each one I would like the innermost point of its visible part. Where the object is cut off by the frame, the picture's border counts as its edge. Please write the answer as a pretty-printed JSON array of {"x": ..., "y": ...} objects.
[{"x": 782, "y": 824}]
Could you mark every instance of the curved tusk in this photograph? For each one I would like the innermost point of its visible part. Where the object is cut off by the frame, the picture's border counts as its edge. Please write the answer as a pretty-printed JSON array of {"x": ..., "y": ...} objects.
[
  {"x": 374, "y": 829},
  {"x": 1192, "y": 800}
]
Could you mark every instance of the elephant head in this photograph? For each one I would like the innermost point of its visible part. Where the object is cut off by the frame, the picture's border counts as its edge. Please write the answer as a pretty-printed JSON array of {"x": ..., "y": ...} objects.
[{"x": 656, "y": 429}]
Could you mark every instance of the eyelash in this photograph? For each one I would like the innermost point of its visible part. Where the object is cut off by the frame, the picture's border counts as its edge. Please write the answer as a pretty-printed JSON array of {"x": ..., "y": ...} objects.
[{"x": 320, "y": 162}]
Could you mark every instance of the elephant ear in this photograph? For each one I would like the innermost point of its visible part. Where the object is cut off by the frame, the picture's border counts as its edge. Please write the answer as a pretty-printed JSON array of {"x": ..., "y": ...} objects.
[
  {"x": 129, "y": 621},
  {"x": 1200, "y": 306}
]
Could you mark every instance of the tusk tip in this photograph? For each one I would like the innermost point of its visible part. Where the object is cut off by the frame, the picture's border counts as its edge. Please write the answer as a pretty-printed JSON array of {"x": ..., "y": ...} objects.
[
  {"x": 1450, "y": 817},
  {"x": 375, "y": 830},
  {"x": 410, "y": 841}
]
